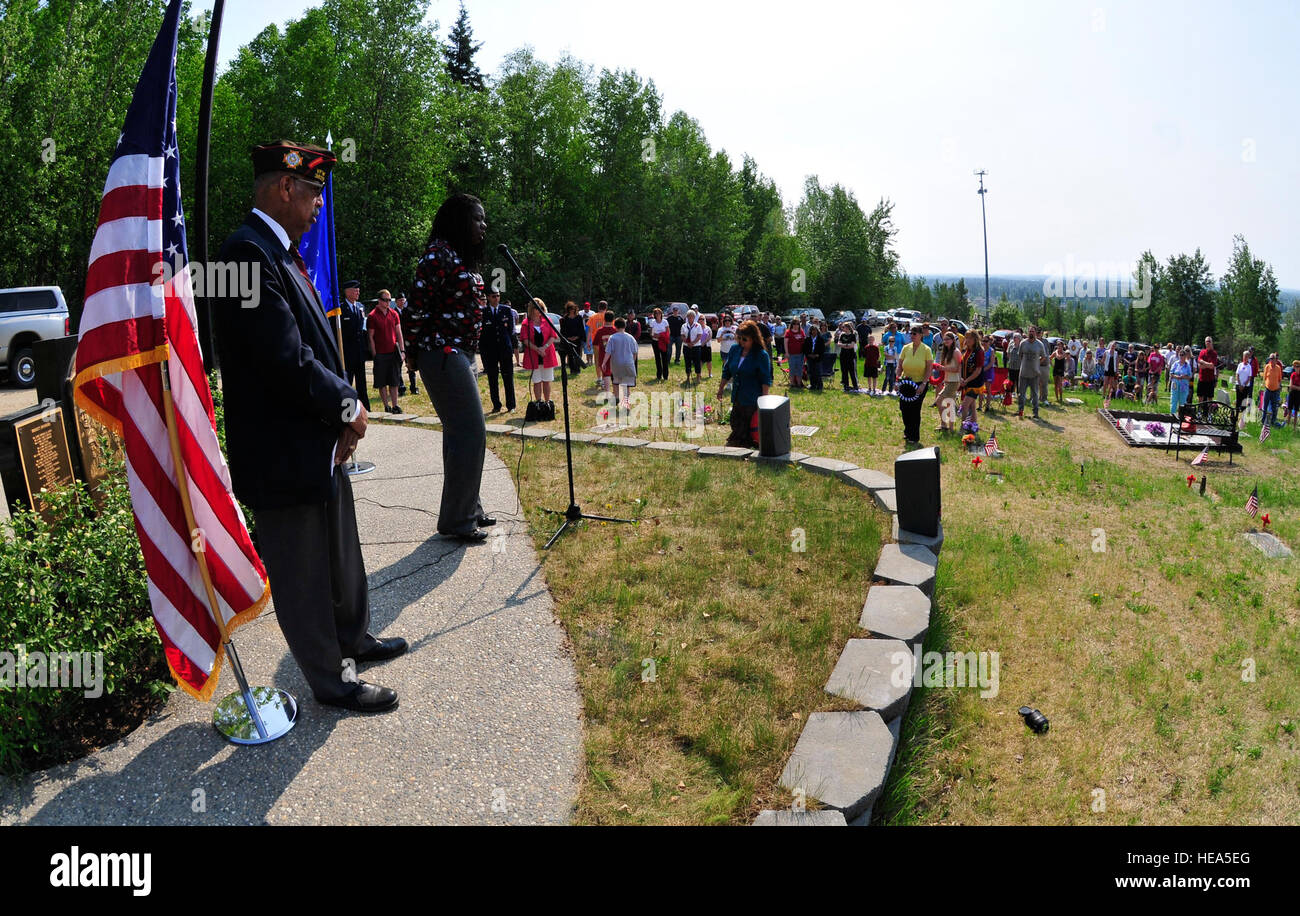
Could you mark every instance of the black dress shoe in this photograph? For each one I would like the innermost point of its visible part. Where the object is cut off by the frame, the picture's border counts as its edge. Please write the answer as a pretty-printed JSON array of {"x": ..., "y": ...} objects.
[
  {"x": 485, "y": 521},
  {"x": 383, "y": 650},
  {"x": 366, "y": 698},
  {"x": 469, "y": 537}
]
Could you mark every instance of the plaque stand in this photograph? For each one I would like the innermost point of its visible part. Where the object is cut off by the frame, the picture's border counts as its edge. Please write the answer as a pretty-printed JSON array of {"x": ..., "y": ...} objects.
[
  {"x": 4, "y": 512},
  {"x": 253, "y": 715}
]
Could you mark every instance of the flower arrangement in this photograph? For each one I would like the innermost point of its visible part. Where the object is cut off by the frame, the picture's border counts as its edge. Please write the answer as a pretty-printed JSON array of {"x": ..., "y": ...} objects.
[
  {"x": 970, "y": 426},
  {"x": 968, "y": 439},
  {"x": 1155, "y": 429}
]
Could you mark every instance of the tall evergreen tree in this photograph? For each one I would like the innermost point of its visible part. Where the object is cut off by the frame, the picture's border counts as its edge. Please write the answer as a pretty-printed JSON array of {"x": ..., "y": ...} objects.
[
  {"x": 961, "y": 310},
  {"x": 461, "y": 49}
]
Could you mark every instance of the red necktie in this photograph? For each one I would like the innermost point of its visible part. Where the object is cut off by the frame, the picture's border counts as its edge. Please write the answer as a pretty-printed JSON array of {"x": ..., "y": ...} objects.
[{"x": 302, "y": 265}]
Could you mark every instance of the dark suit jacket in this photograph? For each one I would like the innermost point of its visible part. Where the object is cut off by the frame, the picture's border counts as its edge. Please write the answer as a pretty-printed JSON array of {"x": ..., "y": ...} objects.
[
  {"x": 497, "y": 336},
  {"x": 282, "y": 378}
]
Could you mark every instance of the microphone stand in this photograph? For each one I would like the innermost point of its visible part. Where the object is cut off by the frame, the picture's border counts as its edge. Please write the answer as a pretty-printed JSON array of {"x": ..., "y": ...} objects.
[{"x": 574, "y": 513}]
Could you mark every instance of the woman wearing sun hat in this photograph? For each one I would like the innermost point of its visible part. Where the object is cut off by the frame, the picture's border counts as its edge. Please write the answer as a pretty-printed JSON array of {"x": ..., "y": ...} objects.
[{"x": 914, "y": 364}]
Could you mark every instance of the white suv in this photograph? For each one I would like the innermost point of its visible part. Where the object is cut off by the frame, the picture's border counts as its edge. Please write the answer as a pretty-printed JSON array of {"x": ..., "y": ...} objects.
[{"x": 29, "y": 314}]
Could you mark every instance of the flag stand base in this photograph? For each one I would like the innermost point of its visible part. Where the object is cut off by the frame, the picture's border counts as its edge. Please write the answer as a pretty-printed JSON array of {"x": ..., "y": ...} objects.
[
  {"x": 253, "y": 715},
  {"x": 357, "y": 468},
  {"x": 277, "y": 709}
]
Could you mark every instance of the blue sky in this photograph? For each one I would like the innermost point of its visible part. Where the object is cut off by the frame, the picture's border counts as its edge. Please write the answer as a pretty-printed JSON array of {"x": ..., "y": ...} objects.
[{"x": 1106, "y": 128}]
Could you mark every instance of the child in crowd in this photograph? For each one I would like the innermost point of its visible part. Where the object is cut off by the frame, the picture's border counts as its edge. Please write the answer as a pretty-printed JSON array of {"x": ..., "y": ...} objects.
[{"x": 620, "y": 351}]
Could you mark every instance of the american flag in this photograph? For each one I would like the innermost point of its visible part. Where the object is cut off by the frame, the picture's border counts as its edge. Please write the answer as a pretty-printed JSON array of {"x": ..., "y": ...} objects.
[
  {"x": 1265, "y": 431},
  {"x": 991, "y": 445},
  {"x": 1203, "y": 457},
  {"x": 138, "y": 321},
  {"x": 1252, "y": 504}
]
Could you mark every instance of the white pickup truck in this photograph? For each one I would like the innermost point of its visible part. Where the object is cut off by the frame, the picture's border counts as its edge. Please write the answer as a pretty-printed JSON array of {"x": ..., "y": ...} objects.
[{"x": 29, "y": 314}]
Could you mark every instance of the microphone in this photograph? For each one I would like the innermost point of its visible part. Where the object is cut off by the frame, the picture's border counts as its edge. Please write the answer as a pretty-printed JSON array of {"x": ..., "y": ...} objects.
[{"x": 519, "y": 271}]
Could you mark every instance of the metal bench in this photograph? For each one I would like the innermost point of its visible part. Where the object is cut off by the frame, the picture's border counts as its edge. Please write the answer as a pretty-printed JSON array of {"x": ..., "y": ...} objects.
[{"x": 1208, "y": 418}]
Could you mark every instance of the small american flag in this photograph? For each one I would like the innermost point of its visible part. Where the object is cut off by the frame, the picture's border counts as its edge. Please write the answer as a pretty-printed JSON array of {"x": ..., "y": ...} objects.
[
  {"x": 1252, "y": 504},
  {"x": 135, "y": 326},
  {"x": 1203, "y": 457},
  {"x": 991, "y": 446},
  {"x": 1264, "y": 432}
]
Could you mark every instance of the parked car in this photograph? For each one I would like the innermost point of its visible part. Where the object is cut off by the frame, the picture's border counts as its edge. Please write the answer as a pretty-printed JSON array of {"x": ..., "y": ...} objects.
[
  {"x": 29, "y": 314},
  {"x": 808, "y": 313},
  {"x": 958, "y": 325},
  {"x": 838, "y": 318},
  {"x": 1002, "y": 339},
  {"x": 877, "y": 319},
  {"x": 905, "y": 316}
]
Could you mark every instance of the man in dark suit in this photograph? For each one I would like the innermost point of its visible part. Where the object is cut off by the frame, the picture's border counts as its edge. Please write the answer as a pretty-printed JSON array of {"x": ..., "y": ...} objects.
[
  {"x": 278, "y": 353},
  {"x": 499, "y": 347},
  {"x": 355, "y": 340}
]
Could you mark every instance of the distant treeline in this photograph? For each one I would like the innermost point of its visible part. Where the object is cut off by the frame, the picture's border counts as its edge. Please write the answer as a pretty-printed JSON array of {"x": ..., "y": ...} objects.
[{"x": 600, "y": 193}]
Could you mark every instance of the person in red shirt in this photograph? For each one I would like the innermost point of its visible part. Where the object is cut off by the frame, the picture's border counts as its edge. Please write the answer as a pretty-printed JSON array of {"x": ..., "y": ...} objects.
[
  {"x": 870, "y": 363},
  {"x": 1155, "y": 366},
  {"x": 385, "y": 330},
  {"x": 1207, "y": 364},
  {"x": 606, "y": 331}
]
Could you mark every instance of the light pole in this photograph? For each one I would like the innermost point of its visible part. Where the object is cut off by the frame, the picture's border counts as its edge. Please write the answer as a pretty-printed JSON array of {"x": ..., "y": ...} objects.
[{"x": 988, "y": 305}]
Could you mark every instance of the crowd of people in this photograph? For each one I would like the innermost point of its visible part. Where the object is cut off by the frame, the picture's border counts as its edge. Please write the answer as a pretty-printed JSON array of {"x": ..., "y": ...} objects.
[{"x": 302, "y": 501}]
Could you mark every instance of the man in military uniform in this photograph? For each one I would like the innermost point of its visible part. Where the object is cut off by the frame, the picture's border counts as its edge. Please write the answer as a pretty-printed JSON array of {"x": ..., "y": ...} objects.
[
  {"x": 355, "y": 339},
  {"x": 286, "y": 466}
]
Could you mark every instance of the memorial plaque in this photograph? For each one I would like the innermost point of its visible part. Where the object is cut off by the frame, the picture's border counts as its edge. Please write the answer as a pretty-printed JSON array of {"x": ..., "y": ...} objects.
[
  {"x": 43, "y": 454},
  {"x": 97, "y": 443}
]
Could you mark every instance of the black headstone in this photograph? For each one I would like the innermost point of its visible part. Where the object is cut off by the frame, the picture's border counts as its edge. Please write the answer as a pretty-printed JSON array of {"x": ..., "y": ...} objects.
[
  {"x": 916, "y": 478},
  {"x": 773, "y": 425},
  {"x": 53, "y": 359}
]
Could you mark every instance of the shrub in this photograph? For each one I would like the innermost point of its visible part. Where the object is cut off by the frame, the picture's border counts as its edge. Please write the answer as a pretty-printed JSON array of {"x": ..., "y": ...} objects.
[{"x": 75, "y": 583}]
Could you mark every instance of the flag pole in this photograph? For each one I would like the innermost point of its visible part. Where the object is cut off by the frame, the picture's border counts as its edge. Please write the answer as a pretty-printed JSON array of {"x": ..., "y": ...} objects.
[
  {"x": 236, "y": 713},
  {"x": 202, "y": 306},
  {"x": 270, "y": 713}
]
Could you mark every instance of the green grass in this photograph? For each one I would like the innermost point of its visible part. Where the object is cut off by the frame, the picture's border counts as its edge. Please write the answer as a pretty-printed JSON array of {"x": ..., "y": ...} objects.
[
  {"x": 1101, "y": 642},
  {"x": 701, "y": 639}
]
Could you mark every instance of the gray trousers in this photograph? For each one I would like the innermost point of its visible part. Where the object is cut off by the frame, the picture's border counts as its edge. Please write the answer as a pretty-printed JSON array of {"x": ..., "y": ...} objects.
[
  {"x": 1031, "y": 384},
  {"x": 449, "y": 379},
  {"x": 318, "y": 582}
]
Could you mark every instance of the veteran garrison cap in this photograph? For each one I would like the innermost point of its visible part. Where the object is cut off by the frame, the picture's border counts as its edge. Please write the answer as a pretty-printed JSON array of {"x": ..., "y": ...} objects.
[{"x": 301, "y": 159}]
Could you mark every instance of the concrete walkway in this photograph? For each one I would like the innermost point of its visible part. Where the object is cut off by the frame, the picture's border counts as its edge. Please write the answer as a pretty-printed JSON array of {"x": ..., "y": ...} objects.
[{"x": 488, "y": 730}]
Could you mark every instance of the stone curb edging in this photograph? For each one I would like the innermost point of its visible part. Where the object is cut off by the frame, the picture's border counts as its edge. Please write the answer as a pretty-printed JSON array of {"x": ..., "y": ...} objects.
[{"x": 842, "y": 759}]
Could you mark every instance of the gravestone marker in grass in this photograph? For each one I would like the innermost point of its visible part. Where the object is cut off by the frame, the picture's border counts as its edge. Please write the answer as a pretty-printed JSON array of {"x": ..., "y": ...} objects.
[
  {"x": 803, "y": 430},
  {"x": 1271, "y": 546}
]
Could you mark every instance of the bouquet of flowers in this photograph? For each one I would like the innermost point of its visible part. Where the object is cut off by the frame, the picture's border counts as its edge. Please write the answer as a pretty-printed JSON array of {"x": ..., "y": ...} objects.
[
  {"x": 970, "y": 426},
  {"x": 1155, "y": 429},
  {"x": 968, "y": 439}
]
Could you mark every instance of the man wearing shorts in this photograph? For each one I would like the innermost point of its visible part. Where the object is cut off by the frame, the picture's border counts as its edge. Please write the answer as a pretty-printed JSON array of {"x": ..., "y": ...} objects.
[
  {"x": 385, "y": 331},
  {"x": 1207, "y": 364}
]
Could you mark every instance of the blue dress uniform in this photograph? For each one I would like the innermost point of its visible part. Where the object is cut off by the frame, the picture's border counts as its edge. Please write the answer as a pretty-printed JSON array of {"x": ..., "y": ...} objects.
[
  {"x": 353, "y": 319},
  {"x": 498, "y": 342}
]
